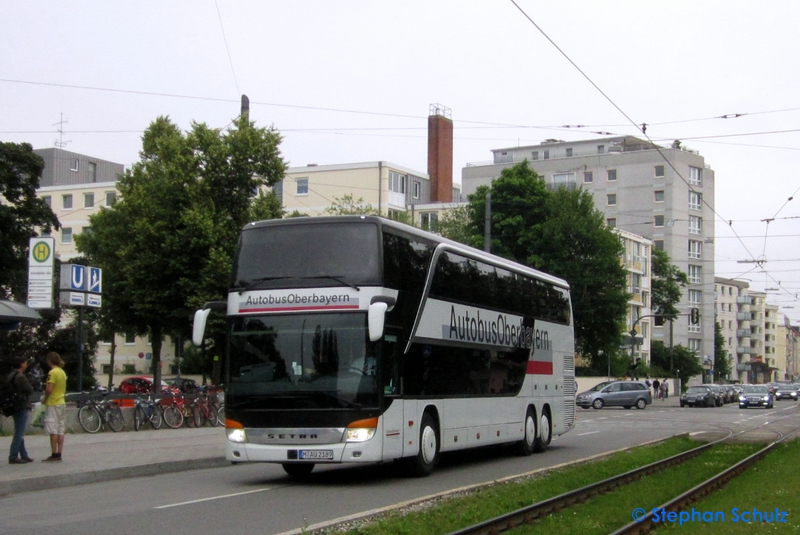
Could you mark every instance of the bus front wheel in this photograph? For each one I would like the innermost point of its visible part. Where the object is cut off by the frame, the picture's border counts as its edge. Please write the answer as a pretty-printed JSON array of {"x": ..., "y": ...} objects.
[
  {"x": 525, "y": 446},
  {"x": 425, "y": 461},
  {"x": 545, "y": 433},
  {"x": 298, "y": 469}
]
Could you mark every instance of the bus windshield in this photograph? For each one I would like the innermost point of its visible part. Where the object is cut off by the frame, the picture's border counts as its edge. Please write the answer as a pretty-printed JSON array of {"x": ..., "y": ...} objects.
[{"x": 301, "y": 362}]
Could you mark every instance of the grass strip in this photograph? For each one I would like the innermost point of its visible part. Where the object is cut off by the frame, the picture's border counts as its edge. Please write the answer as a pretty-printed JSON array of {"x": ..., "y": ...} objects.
[
  {"x": 446, "y": 515},
  {"x": 771, "y": 484},
  {"x": 608, "y": 512}
]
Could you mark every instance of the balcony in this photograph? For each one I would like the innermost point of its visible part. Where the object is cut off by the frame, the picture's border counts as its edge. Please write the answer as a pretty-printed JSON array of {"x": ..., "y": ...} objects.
[
  {"x": 744, "y": 300},
  {"x": 743, "y": 333},
  {"x": 744, "y": 316},
  {"x": 745, "y": 350}
]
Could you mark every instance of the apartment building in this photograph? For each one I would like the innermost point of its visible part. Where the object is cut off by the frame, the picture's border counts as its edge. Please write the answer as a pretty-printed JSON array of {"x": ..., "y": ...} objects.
[
  {"x": 637, "y": 262},
  {"x": 665, "y": 194}
]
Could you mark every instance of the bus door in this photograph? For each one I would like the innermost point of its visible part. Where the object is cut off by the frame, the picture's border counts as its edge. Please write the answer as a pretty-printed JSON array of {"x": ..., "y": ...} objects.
[{"x": 391, "y": 355}]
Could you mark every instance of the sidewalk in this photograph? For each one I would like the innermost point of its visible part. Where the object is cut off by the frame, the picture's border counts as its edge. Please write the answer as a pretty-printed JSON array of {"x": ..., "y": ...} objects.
[{"x": 107, "y": 456}]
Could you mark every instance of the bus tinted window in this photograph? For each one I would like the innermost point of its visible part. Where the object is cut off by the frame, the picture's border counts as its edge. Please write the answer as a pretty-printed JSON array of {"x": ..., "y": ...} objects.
[{"x": 308, "y": 254}]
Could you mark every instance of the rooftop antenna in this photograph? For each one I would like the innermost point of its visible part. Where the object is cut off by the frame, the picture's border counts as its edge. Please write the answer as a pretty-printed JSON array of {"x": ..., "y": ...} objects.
[{"x": 60, "y": 143}]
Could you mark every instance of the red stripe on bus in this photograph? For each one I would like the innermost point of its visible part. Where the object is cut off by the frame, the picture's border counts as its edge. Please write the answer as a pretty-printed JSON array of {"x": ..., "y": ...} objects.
[
  {"x": 539, "y": 368},
  {"x": 298, "y": 309}
]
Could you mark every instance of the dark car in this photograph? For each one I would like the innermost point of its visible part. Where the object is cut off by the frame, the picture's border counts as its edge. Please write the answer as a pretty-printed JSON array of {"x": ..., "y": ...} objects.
[
  {"x": 184, "y": 384},
  {"x": 616, "y": 394},
  {"x": 698, "y": 396},
  {"x": 718, "y": 396},
  {"x": 755, "y": 396},
  {"x": 786, "y": 392},
  {"x": 732, "y": 393}
]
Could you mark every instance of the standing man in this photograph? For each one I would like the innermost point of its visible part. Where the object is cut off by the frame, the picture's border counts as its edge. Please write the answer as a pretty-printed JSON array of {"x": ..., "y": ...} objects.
[
  {"x": 55, "y": 415},
  {"x": 656, "y": 386},
  {"x": 19, "y": 383}
]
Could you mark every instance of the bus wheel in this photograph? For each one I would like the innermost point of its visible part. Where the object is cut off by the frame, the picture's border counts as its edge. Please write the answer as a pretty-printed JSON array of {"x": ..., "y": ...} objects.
[
  {"x": 298, "y": 469},
  {"x": 425, "y": 461},
  {"x": 545, "y": 433},
  {"x": 525, "y": 446}
]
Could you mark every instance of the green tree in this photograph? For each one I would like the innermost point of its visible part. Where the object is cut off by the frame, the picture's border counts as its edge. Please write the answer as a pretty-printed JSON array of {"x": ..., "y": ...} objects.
[
  {"x": 266, "y": 205},
  {"x": 20, "y": 213},
  {"x": 166, "y": 246},
  {"x": 722, "y": 363},
  {"x": 667, "y": 285},
  {"x": 347, "y": 205},
  {"x": 679, "y": 362},
  {"x": 456, "y": 224},
  {"x": 561, "y": 233}
]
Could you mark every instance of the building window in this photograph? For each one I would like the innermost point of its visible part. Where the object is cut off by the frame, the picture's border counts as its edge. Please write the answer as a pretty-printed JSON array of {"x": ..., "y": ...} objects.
[
  {"x": 695, "y": 249},
  {"x": 130, "y": 339},
  {"x": 588, "y": 177},
  {"x": 397, "y": 182},
  {"x": 66, "y": 235},
  {"x": 694, "y": 345},
  {"x": 695, "y": 225},
  {"x": 611, "y": 222},
  {"x": 695, "y": 274},
  {"x": 66, "y": 202},
  {"x": 659, "y": 171},
  {"x": 302, "y": 186},
  {"x": 601, "y": 149},
  {"x": 695, "y": 200},
  {"x": 547, "y": 155},
  {"x": 128, "y": 369},
  {"x": 48, "y": 200},
  {"x": 659, "y": 195},
  {"x": 86, "y": 230},
  {"x": 395, "y": 214},
  {"x": 612, "y": 175},
  {"x": 564, "y": 179},
  {"x": 111, "y": 198},
  {"x": 74, "y": 165},
  {"x": 88, "y": 200},
  {"x": 429, "y": 220},
  {"x": 611, "y": 199},
  {"x": 695, "y": 297},
  {"x": 695, "y": 176},
  {"x": 416, "y": 190},
  {"x": 535, "y": 155},
  {"x": 92, "y": 172},
  {"x": 569, "y": 152},
  {"x": 658, "y": 245},
  {"x": 659, "y": 221}
]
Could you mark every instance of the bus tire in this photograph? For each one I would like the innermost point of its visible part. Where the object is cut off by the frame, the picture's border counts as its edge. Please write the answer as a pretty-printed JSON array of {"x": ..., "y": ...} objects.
[
  {"x": 298, "y": 469},
  {"x": 545, "y": 432},
  {"x": 423, "y": 463},
  {"x": 525, "y": 446}
]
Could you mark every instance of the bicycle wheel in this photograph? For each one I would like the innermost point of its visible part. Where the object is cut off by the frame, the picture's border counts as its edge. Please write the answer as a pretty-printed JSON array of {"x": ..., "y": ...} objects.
[
  {"x": 139, "y": 417},
  {"x": 155, "y": 416},
  {"x": 173, "y": 417},
  {"x": 221, "y": 415},
  {"x": 114, "y": 417},
  {"x": 199, "y": 417},
  {"x": 213, "y": 418},
  {"x": 188, "y": 415},
  {"x": 89, "y": 418}
]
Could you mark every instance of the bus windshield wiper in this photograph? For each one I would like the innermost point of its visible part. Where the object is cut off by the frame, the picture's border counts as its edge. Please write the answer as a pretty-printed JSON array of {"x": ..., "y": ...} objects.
[
  {"x": 337, "y": 278},
  {"x": 252, "y": 284}
]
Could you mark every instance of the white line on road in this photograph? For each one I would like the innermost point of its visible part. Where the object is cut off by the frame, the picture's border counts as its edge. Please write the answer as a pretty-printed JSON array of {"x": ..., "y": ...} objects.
[
  {"x": 589, "y": 433},
  {"x": 213, "y": 498}
]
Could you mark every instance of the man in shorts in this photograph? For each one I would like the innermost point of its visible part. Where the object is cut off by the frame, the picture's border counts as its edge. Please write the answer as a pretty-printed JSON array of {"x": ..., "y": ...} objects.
[{"x": 55, "y": 415}]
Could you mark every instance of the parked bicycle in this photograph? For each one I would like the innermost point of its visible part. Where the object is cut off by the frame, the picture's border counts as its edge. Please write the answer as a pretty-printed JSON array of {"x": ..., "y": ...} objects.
[
  {"x": 221, "y": 415},
  {"x": 173, "y": 411},
  {"x": 94, "y": 415},
  {"x": 145, "y": 410},
  {"x": 204, "y": 409}
]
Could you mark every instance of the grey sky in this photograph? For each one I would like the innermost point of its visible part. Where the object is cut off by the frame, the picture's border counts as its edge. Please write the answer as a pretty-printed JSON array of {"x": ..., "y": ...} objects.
[{"x": 677, "y": 66}]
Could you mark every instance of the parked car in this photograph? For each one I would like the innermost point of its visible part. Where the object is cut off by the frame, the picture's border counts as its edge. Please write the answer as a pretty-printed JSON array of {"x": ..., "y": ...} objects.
[
  {"x": 184, "y": 384},
  {"x": 616, "y": 394},
  {"x": 786, "y": 392},
  {"x": 719, "y": 400},
  {"x": 698, "y": 396},
  {"x": 733, "y": 393},
  {"x": 755, "y": 396}
]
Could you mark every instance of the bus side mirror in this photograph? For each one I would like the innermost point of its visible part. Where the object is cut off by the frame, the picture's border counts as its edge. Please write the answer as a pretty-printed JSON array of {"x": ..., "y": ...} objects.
[
  {"x": 199, "y": 327},
  {"x": 375, "y": 319}
]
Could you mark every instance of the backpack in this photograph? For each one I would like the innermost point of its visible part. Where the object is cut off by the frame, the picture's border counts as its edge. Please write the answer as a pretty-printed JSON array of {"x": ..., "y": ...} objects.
[{"x": 11, "y": 401}]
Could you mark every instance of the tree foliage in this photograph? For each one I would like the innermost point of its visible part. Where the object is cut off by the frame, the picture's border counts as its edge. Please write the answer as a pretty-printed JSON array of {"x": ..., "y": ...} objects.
[
  {"x": 562, "y": 233},
  {"x": 666, "y": 286},
  {"x": 348, "y": 205},
  {"x": 20, "y": 213},
  {"x": 722, "y": 362},
  {"x": 166, "y": 246},
  {"x": 679, "y": 362}
]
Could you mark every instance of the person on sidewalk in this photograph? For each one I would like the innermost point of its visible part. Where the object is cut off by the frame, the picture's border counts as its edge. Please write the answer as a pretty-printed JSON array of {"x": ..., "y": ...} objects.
[
  {"x": 55, "y": 416},
  {"x": 18, "y": 454},
  {"x": 663, "y": 390},
  {"x": 656, "y": 386}
]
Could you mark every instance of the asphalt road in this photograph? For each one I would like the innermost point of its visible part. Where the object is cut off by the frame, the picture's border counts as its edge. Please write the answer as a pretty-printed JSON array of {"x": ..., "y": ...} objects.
[{"x": 262, "y": 499}]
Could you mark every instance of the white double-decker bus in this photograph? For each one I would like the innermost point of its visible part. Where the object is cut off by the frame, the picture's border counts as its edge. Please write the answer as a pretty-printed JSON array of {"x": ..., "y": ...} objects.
[{"x": 358, "y": 339}]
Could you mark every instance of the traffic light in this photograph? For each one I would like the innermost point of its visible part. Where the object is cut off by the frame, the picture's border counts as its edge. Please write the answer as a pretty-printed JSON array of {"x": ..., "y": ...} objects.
[{"x": 694, "y": 316}]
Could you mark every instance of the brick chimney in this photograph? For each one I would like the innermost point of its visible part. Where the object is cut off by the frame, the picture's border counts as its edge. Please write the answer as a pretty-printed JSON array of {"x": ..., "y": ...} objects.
[{"x": 440, "y": 153}]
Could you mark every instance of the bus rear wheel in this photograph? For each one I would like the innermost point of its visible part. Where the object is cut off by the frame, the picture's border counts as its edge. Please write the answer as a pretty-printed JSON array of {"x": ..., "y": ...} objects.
[
  {"x": 545, "y": 433},
  {"x": 423, "y": 463},
  {"x": 298, "y": 469}
]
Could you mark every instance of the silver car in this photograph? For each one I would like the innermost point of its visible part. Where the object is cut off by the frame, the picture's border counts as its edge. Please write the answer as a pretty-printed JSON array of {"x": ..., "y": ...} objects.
[{"x": 616, "y": 394}]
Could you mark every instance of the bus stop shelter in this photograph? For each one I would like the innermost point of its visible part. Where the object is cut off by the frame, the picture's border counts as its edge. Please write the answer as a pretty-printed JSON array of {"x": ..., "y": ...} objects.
[{"x": 13, "y": 313}]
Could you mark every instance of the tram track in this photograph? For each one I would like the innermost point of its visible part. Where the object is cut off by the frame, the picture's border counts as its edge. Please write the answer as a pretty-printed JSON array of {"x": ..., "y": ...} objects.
[{"x": 530, "y": 514}]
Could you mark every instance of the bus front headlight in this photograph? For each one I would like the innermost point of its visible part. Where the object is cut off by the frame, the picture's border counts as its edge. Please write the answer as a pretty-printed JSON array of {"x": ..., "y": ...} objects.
[
  {"x": 361, "y": 430},
  {"x": 235, "y": 431}
]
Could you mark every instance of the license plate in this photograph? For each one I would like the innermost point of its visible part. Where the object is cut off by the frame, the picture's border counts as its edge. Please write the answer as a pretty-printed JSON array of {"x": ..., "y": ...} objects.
[{"x": 315, "y": 454}]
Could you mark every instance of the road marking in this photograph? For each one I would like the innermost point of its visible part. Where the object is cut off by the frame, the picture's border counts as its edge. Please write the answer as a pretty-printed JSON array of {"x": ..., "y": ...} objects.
[
  {"x": 213, "y": 498},
  {"x": 589, "y": 433}
]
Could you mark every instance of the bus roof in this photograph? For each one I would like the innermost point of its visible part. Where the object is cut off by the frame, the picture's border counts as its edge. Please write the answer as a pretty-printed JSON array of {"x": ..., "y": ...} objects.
[{"x": 402, "y": 228}]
